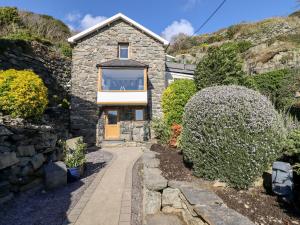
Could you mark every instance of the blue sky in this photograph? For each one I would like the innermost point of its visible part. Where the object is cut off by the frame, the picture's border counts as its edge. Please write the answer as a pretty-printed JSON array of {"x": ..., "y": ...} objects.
[{"x": 164, "y": 17}]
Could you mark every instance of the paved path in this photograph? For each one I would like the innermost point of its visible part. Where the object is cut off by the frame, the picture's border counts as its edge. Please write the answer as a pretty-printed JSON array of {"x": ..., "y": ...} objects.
[{"x": 108, "y": 199}]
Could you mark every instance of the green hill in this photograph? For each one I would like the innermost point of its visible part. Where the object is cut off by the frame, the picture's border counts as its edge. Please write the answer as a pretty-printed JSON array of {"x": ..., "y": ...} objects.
[{"x": 269, "y": 44}]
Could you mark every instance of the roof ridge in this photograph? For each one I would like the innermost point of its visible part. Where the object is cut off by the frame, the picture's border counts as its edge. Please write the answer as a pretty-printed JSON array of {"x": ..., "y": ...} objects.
[{"x": 96, "y": 27}]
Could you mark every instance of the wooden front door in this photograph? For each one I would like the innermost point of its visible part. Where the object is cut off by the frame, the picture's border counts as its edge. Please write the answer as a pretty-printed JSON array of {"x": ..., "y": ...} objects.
[{"x": 112, "y": 126}]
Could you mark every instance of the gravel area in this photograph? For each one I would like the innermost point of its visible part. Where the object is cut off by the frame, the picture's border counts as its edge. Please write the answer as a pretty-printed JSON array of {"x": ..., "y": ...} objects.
[
  {"x": 137, "y": 193},
  {"x": 38, "y": 207}
]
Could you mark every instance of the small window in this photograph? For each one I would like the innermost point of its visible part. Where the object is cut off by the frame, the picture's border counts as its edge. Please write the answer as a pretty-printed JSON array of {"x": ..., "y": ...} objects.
[
  {"x": 124, "y": 51},
  {"x": 139, "y": 114}
]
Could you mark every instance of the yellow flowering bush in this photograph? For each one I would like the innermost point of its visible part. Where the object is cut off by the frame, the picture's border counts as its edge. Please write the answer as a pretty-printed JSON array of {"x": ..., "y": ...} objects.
[{"x": 22, "y": 93}]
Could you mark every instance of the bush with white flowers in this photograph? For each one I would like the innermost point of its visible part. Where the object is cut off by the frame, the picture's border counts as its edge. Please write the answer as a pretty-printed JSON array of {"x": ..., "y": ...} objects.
[{"x": 231, "y": 133}]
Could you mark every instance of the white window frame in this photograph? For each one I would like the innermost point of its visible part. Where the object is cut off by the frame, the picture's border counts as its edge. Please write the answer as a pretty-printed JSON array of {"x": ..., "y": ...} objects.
[{"x": 121, "y": 46}]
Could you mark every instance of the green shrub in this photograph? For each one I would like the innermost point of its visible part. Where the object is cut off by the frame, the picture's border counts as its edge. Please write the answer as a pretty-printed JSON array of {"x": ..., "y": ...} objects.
[
  {"x": 279, "y": 85},
  {"x": 174, "y": 99},
  {"x": 75, "y": 157},
  {"x": 65, "y": 49},
  {"x": 8, "y": 16},
  {"x": 221, "y": 66},
  {"x": 231, "y": 133},
  {"x": 22, "y": 94},
  {"x": 162, "y": 130},
  {"x": 292, "y": 149}
]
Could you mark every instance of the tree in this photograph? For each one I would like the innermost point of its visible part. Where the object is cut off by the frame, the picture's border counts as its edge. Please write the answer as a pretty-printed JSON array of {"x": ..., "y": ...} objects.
[{"x": 221, "y": 66}]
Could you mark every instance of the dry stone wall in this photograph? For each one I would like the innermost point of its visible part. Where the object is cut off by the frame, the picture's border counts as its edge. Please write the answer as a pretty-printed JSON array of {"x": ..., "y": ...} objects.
[{"x": 25, "y": 149}]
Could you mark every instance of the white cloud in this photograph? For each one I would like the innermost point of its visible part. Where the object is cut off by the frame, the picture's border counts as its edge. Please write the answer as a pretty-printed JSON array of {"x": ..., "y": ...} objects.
[
  {"x": 88, "y": 21},
  {"x": 73, "y": 17},
  {"x": 190, "y": 4},
  {"x": 178, "y": 27},
  {"x": 71, "y": 27}
]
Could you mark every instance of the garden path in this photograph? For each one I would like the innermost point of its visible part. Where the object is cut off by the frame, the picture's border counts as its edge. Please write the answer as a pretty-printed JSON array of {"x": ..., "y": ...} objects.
[{"x": 108, "y": 199}]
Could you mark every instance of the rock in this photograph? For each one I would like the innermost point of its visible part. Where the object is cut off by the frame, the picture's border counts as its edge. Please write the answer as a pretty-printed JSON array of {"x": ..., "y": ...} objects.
[
  {"x": 26, "y": 150},
  {"x": 219, "y": 184},
  {"x": 46, "y": 140},
  {"x": 163, "y": 219},
  {"x": 8, "y": 159},
  {"x": 71, "y": 143},
  {"x": 37, "y": 161},
  {"x": 149, "y": 154},
  {"x": 170, "y": 197},
  {"x": 151, "y": 162},
  {"x": 220, "y": 214},
  {"x": 4, "y": 131},
  {"x": 177, "y": 184},
  {"x": 154, "y": 180},
  {"x": 197, "y": 196},
  {"x": 55, "y": 175},
  {"x": 152, "y": 202},
  {"x": 24, "y": 161},
  {"x": 4, "y": 149}
]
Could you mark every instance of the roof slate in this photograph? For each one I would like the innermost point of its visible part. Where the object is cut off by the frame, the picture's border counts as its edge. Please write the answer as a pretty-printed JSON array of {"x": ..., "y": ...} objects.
[{"x": 122, "y": 63}]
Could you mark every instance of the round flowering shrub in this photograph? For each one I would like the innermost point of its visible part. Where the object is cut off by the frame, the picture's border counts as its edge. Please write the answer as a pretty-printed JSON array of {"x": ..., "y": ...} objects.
[
  {"x": 231, "y": 133},
  {"x": 22, "y": 93}
]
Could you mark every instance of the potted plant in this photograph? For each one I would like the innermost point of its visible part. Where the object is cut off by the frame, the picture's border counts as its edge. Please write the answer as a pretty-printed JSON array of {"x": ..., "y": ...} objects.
[{"x": 75, "y": 158}]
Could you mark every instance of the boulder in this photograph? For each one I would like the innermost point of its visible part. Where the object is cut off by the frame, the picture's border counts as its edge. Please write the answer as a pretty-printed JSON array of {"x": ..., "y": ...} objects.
[
  {"x": 170, "y": 197},
  {"x": 55, "y": 174},
  {"x": 8, "y": 159},
  {"x": 37, "y": 161},
  {"x": 26, "y": 150},
  {"x": 154, "y": 180},
  {"x": 4, "y": 131},
  {"x": 152, "y": 202}
]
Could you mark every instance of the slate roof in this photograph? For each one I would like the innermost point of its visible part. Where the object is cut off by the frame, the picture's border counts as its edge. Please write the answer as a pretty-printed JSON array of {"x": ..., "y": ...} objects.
[
  {"x": 188, "y": 69},
  {"x": 122, "y": 63}
]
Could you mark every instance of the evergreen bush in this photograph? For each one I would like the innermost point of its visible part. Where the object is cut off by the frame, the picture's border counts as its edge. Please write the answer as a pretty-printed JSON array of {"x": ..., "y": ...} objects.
[
  {"x": 231, "y": 133},
  {"x": 22, "y": 94},
  {"x": 220, "y": 66},
  {"x": 175, "y": 98}
]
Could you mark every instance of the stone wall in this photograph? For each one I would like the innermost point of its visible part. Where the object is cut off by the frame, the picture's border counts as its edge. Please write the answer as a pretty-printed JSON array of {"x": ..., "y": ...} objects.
[
  {"x": 189, "y": 202},
  {"x": 25, "y": 148},
  {"x": 102, "y": 46}
]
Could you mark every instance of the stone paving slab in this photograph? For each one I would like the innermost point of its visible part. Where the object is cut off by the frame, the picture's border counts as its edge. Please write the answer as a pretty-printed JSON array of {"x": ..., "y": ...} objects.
[{"x": 109, "y": 199}]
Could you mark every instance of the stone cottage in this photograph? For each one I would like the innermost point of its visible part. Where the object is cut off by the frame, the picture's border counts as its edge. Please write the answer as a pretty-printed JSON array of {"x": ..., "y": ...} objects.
[{"x": 119, "y": 72}]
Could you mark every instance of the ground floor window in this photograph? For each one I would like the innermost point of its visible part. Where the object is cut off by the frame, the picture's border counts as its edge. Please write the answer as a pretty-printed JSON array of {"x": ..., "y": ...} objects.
[{"x": 139, "y": 114}]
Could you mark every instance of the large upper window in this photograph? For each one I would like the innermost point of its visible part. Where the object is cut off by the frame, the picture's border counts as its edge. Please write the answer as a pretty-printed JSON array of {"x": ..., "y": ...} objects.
[
  {"x": 122, "y": 79},
  {"x": 124, "y": 51}
]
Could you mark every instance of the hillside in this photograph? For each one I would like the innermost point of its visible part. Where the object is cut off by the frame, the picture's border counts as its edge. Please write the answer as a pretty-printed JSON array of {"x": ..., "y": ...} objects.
[
  {"x": 267, "y": 45},
  {"x": 27, "y": 26}
]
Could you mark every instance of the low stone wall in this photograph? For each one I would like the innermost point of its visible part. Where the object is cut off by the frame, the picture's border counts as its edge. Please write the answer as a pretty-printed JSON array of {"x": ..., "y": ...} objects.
[
  {"x": 194, "y": 205},
  {"x": 24, "y": 150}
]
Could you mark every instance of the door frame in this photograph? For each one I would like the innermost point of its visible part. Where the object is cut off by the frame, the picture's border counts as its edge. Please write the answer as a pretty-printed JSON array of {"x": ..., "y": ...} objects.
[{"x": 107, "y": 126}]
